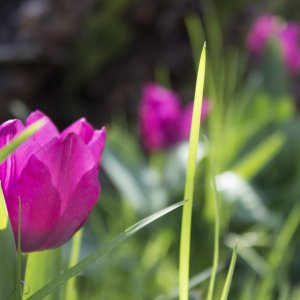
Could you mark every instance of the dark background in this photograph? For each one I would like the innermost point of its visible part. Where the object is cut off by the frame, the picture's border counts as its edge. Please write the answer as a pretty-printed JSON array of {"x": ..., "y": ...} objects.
[{"x": 73, "y": 58}]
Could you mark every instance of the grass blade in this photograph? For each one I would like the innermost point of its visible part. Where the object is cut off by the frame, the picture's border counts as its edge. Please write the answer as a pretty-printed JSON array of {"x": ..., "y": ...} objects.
[
  {"x": 19, "y": 257},
  {"x": 22, "y": 137},
  {"x": 121, "y": 238},
  {"x": 249, "y": 166},
  {"x": 189, "y": 183},
  {"x": 213, "y": 197},
  {"x": 228, "y": 280}
]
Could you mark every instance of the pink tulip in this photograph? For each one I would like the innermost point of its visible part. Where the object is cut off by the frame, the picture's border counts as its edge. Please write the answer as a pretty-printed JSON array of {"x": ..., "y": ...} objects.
[
  {"x": 287, "y": 34},
  {"x": 264, "y": 27},
  {"x": 55, "y": 175},
  {"x": 163, "y": 122},
  {"x": 159, "y": 117},
  {"x": 290, "y": 37}
]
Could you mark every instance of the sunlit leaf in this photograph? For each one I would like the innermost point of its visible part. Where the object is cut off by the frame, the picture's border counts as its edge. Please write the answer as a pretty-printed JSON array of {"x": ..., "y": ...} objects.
[{"x": 184, "y": 259}]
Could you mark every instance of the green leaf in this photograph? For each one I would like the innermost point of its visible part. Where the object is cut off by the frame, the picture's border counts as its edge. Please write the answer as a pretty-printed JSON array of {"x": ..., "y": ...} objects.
[
  {"x": 228, "y": 280},
  {"x": 189, "y": 183},
  {"x": 22, "y": 137},
  {"x": 249, "y": 166},
  {"x": 279, "y": 253},
  {"x": 8, "y": 257},
  {"x": 102, "y": 251},
  {"x": 41, "y": 268}
]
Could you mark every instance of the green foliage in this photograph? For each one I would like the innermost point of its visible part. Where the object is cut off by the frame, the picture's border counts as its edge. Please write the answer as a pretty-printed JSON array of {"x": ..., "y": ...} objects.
[
  {"x": 8, "y": 262},
  {"x": 41, "y": 268}
]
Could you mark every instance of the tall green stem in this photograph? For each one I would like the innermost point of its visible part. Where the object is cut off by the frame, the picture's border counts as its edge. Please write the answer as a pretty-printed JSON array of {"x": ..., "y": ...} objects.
[{"x": 189, "y": 183}]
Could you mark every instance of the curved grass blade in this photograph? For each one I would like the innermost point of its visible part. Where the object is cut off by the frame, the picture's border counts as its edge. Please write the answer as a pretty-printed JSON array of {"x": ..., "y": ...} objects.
[
  {"x": 228, "y": 280},
  {"x": 118, "y": 240},
  {"x": 189, "y": 183},
  {"x": 22, "y": 137}
]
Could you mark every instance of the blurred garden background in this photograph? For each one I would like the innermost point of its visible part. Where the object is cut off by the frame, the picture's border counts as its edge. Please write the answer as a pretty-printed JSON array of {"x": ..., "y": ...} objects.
[{"x": 97, "y": 58}]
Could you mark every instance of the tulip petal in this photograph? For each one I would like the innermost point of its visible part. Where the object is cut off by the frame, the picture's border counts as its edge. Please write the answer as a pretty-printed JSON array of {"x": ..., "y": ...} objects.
[
  {"x": 40, "y": 205},
  {"x": 67, "y": 160},
  {"x": 47, "y": 132},
  {"x": 9, "y": 130},
  {"x": 81, "y": 127},
  {"x": 97, "y": 144},
  {"x": 77, "y": 210}
]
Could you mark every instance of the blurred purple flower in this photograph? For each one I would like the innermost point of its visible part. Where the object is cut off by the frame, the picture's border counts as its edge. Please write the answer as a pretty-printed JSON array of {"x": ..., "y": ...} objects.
[
  {"x": 159, "y": 117},
  {"x": 287, "y": 34},
  {"x": 56, "y": 177},
  {"x": 162, "y": 121},
  {"x": 264, "y": 27},
  {"x": 290, "y": 37}
]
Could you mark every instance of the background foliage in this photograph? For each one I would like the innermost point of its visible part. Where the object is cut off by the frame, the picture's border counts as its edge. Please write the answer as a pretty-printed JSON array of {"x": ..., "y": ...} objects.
[{"x": 71, "y": 58}]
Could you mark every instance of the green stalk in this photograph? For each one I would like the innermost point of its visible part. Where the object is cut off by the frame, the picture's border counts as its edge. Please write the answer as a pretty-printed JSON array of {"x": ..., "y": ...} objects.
[
  {"x": 189, "y": 184},
  {"x": 228, "y": 280},
  {"x": 213, "y": 198},
  {"x": 70, "y": 289},
  {"x": 19, "y": 258}
]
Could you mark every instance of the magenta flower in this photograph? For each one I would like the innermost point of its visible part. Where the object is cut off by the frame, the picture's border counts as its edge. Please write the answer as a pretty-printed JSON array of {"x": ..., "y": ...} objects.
[
  {"x": 287, "y": 35},
  {"x": 290, "y": 37},
  {"x": 264, "y": 27},
  {"x": 159, "y": 117},
  {"x": 55, "y": 176},
  {"x": 163, "y": 122}
]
